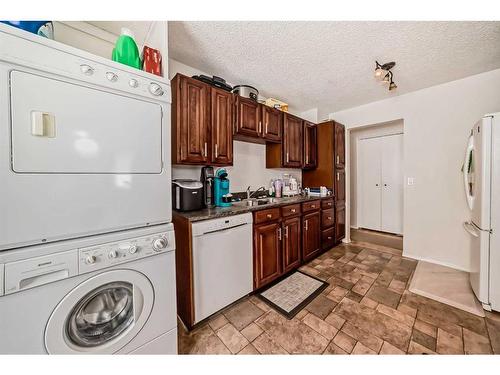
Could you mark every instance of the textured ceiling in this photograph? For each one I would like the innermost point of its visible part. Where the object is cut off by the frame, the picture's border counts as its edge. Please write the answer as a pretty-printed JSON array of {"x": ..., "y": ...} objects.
[{"x": 329, "y": 65}]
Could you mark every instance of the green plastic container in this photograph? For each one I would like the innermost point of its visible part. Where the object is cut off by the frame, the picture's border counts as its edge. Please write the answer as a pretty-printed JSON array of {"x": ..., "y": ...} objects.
[{"x": 126, "y": 51}]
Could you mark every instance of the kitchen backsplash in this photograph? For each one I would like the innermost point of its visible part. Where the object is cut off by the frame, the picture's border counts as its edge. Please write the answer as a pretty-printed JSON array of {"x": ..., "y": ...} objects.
[{"x": 249, "y": 168}]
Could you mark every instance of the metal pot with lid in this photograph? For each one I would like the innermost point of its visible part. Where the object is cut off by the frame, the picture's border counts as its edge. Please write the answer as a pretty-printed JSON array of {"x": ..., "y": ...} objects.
[{"x": 246, "y": 91}]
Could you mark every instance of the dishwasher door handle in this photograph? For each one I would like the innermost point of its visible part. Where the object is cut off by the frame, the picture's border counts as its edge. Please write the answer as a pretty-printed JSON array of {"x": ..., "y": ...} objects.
[{"x": 221, "y": 231}]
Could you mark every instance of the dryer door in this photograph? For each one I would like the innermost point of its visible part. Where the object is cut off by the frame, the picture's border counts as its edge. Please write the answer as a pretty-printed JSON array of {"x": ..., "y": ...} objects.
[{"x": 101, "y": 315}]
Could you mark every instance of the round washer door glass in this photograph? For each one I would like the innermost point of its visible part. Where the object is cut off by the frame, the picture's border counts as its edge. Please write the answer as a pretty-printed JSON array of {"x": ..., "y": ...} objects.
[{"x": 102, "y": 314}]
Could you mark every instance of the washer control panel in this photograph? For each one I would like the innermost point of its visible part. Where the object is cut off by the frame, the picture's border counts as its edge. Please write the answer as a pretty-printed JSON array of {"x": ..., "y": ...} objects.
[{"x": 106, "y": 255}]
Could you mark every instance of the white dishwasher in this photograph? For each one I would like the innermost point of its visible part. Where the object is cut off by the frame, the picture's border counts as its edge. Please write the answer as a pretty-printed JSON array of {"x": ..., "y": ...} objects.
[{"x": 222, "y": 263}]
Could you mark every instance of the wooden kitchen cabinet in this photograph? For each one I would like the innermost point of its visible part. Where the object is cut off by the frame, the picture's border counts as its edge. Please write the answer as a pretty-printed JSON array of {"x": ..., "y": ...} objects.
[
  {"x": 340, "y": 186},
  {"x": 190, "y": 121},
  {"x": 292, "y": 236},
  {"x": 311, "y": 237},
  {"x": 221, "y": 150},
  {"x": 339, "y": 223},
  {"x": 288, "y": 154},
  {"x": 202, "y": 118},
  {"x": 248, "y": 123},
  {"x": 310, "y": 146},
  {"x": 330, "y": 172},
  {"x": 339, "y": 146},
  {"x": 271, "y": 120},
  {"x": 267, "y": 253}
]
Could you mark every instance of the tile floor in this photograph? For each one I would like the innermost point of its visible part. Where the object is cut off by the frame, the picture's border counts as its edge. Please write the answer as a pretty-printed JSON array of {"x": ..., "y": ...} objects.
[{"x": 366, "y": 309}]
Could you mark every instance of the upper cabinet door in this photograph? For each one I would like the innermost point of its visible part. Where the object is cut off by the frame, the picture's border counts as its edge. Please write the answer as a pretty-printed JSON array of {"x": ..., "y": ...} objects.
[
  {"x": 248, "y": 122},
  {"x": 292, "y": 141},
  {"x": 191, "y": 122},
  {"x": 271, "y": 120},
  {"x": 310, "y": 145},
  {"x": 222, "y": 134},
  {"x": 339, "y": 145}
]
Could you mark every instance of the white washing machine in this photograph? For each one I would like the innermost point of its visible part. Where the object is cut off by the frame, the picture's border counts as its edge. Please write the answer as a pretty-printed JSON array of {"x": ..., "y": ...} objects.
[{"x": 105, "y": 294}]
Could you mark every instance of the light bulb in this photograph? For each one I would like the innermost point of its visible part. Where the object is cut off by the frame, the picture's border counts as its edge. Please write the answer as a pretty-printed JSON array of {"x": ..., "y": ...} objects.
[
  {"x": 392, "y": 86},
  {"x": 380, "y": 73}
]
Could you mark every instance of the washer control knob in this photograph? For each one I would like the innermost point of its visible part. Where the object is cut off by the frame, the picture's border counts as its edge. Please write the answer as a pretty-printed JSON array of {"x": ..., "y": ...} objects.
[
  {"x": 155, "y": 89},
  {"x": 112, "y": 77},
  {"x": 86, "y": 69},
  {"x": 132, "y": 249},
  {"x": 133, "y": 82},
  {"x": 90, "y": 259},
  {"x": 113, "y": 254},
  {"x": 159, "y": 244}
]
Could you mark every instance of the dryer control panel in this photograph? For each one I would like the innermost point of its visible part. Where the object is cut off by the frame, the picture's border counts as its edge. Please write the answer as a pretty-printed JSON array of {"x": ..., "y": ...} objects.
[{"x": 109, "y": 254}]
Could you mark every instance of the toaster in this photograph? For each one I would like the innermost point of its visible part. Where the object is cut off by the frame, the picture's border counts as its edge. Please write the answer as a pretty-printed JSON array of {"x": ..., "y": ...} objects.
[{"x": 187, "y": 195}]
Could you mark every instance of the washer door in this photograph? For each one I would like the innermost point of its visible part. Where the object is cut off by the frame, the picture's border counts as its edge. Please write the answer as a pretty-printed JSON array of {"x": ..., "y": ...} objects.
[{"x": 101, "y": 315}]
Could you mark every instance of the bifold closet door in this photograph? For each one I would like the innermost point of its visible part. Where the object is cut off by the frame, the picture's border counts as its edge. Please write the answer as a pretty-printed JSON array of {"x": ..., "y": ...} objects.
[
  {"x": 369, "y": 183},
  {"x": 380, "y": 183},
  {"x": 392, "y": 183}
]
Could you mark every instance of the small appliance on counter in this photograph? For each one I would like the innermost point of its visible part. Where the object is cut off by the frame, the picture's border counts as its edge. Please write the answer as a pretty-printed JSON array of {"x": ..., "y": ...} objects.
[
  {"x": 187, "y": 195},
  {"x": 221, "y": 189},
  {"x": 246, "y": 91},
  {"x": 207, "y": 179},
  {"x": 214, "y": 81}
]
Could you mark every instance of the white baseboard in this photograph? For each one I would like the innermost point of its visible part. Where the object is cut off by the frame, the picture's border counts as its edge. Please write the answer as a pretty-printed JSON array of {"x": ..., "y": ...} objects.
[{"x": 416, "y": 257}]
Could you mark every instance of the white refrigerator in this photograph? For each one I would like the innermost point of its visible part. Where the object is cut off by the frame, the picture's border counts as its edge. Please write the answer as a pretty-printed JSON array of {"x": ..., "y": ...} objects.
[{"x": 482, "y": 186}]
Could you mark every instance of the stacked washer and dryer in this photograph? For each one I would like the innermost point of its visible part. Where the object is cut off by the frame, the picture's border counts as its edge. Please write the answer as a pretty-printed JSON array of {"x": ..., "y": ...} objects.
[{"x": 87, "y": 260}]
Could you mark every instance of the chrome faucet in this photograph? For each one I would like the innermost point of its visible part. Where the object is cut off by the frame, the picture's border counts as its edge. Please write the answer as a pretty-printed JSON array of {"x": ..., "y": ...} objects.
[{"x": 256, "y": 191}]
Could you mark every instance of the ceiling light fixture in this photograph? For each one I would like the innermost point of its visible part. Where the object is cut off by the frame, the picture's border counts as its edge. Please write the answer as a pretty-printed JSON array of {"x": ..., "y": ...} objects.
[{"x": 383, "y": 73}]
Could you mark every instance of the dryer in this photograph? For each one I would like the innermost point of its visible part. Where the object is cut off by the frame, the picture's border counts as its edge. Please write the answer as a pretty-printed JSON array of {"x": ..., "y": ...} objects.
[
  {"x": 101, "y": 295},
  {"x": 84, "y": 143}
]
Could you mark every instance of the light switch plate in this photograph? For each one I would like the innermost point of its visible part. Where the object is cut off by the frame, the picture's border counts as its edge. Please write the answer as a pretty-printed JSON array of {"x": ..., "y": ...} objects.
[{"x": 411, "y": 181}]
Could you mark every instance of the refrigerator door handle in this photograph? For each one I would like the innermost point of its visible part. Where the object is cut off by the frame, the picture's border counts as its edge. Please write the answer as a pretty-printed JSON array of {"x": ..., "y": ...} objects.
[
  {"x": 467, "y": 165},
  {"x": 471, "y": 229}
]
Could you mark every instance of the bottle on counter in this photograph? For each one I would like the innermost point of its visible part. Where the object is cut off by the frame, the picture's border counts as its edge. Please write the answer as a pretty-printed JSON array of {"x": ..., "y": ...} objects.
[{"x": 278, "y": 185}]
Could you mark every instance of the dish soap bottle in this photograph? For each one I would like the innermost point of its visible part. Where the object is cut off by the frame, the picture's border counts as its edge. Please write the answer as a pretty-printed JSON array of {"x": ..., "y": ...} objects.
[{"x": 126, "y": 51}]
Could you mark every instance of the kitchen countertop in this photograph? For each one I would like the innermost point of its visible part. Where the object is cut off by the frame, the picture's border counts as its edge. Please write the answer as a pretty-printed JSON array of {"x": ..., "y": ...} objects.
[{"x": 236, "y": 209}]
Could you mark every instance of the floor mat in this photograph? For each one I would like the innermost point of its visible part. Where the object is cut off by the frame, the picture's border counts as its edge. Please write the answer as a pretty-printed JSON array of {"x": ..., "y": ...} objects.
[
  {"x": 292, "y": 294},
  {"x": 446, "y": 285}
]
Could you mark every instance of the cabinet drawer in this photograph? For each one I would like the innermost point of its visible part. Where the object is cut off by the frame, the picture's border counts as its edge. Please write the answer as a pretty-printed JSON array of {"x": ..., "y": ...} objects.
[
  {"x": 310, "y": 206},
  {"x": 291, "y": 210},
  {"x": 266, "y": 215},
  {"x": 327, "y": 218},
  {"x": 327, "y": 203},
  {"x": 327, "y": 238}
]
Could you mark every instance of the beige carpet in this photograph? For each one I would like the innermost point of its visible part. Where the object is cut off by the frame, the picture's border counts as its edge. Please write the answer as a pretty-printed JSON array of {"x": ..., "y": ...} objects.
[{"x": 446, "y": 285}]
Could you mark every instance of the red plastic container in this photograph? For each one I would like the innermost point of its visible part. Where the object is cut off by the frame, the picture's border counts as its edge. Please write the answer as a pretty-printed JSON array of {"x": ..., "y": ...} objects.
[{"x": 151, "y": 60}]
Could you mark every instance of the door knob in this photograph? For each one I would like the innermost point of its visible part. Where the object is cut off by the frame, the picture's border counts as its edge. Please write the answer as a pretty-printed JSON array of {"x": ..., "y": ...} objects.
[{"x": 376, "y": 184}]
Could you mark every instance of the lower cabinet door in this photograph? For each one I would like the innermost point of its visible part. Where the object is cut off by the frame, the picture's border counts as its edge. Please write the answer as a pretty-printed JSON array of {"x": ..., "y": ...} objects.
[
  {"x": 267, "y": 253},
  {"x": 339, "y": 222},
  {"x": 292, "y": 236},
  {"x": 311, "y": 235}
]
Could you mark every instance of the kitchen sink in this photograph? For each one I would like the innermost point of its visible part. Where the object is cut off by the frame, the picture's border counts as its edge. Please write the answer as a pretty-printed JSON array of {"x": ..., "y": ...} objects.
[{"x": 256, "y": 202}]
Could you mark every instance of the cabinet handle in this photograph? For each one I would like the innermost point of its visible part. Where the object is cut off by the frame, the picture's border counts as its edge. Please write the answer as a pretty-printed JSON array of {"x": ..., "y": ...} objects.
[
  {"x": 330, "y": 204},
  {"x": 293, "y": 210},
  {"x": 287, "y": 157},
  {"x": 260, "y": 127},
  {"x": 269, "y": 216},
  {"x": 216, "y": 150},
  {"x": 279, "y": 234},
  {"x": 286, "y": 231},
  {"x": 338, "y": 176},
  {"x": 305, "y": 222},
  {"x": 338, "y": 159},
  {"x": 266, "y": 127},
  {"x": 313, "y": 206},
  {"x": 206, "y": 153},
  {"x": 329, "y": 237},
  {"x": 329, "y": 218}
]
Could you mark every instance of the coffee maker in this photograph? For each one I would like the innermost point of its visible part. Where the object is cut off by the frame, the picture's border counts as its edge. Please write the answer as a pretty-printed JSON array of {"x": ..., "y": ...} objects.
[
  {"x": 207, "y": 179},
  {"x": 221, "y": 189}
]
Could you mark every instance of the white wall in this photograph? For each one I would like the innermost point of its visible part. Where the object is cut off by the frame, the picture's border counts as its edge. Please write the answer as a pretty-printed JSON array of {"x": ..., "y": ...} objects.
[
  {"x": 249, "y": 159},
  {"x": 437, "y": 123},
  {"x": 393, "y": 127}
]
